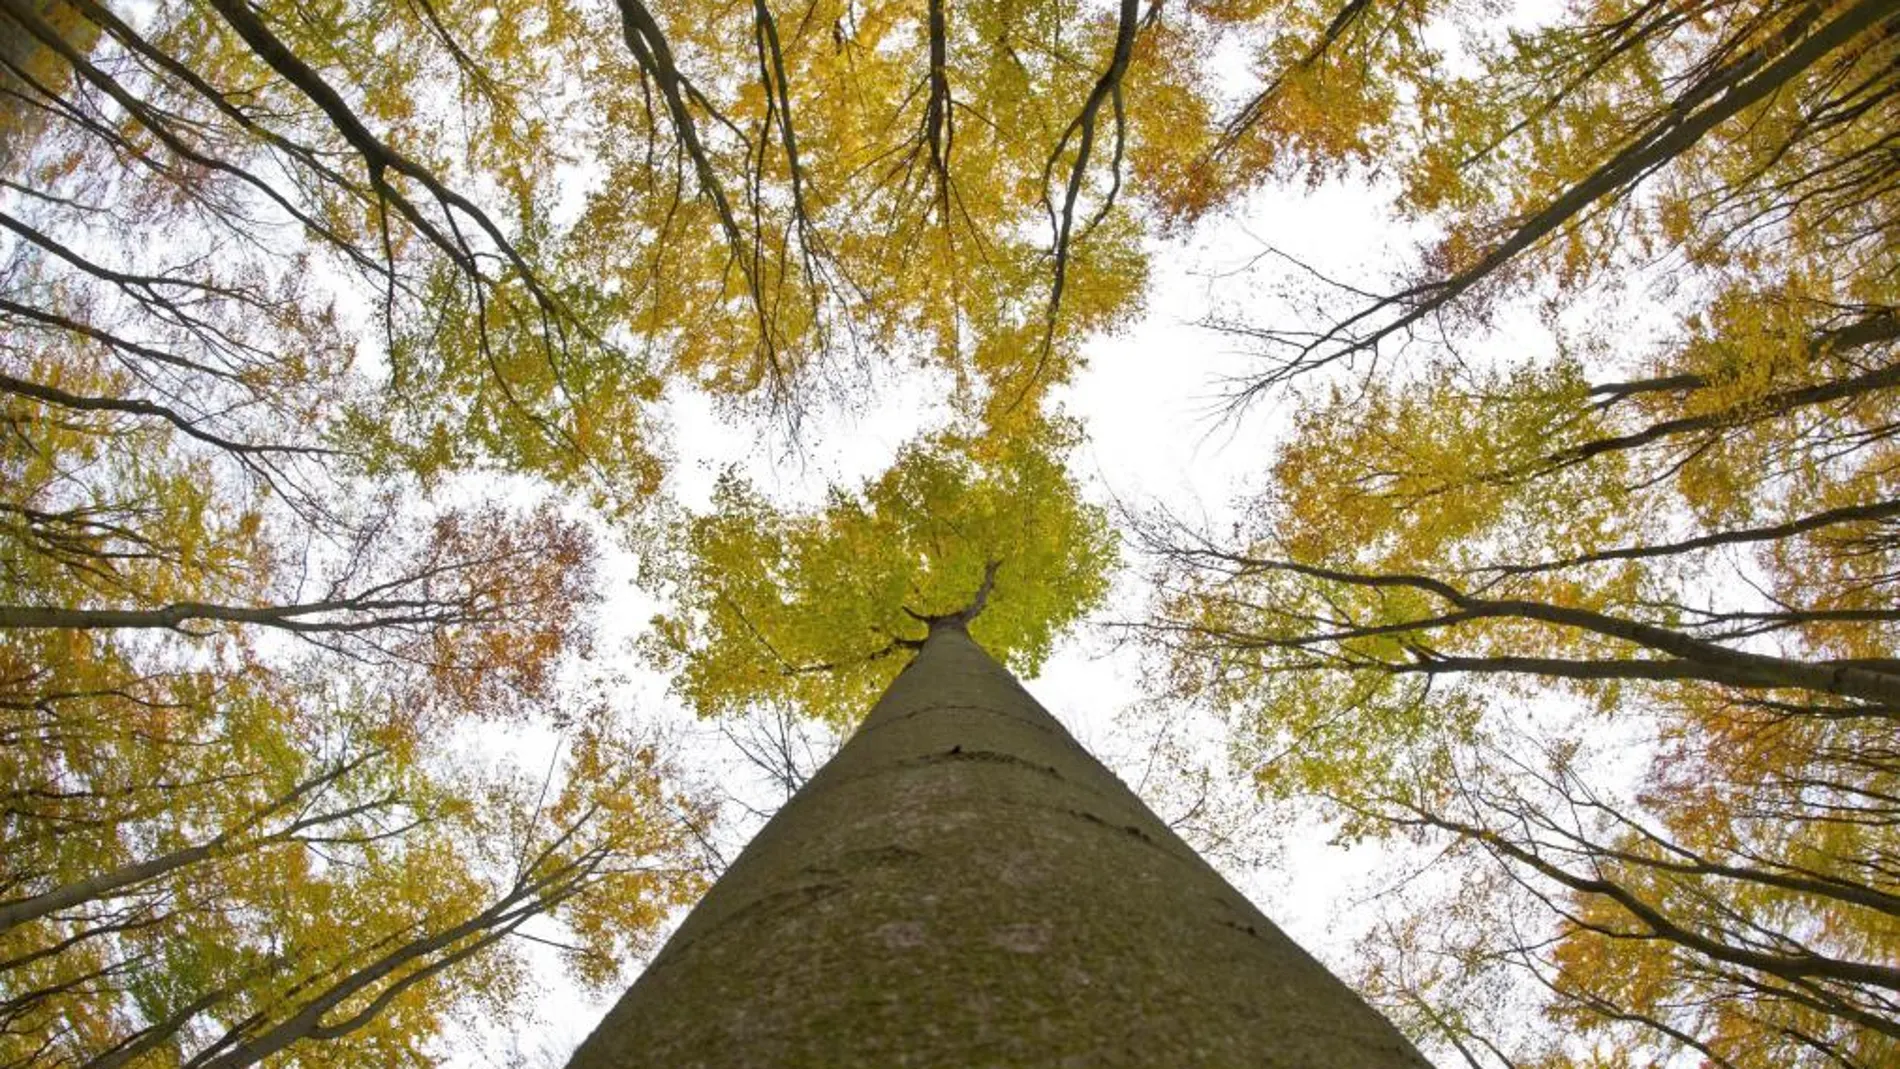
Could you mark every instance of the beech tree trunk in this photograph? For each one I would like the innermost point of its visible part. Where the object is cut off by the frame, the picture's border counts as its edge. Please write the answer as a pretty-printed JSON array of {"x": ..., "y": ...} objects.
[{"x": 963, "y": 885}]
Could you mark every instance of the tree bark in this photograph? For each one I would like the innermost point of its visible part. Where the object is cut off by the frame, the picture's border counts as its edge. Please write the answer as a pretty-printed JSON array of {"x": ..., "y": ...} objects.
[{"x": 963, "y": 885}]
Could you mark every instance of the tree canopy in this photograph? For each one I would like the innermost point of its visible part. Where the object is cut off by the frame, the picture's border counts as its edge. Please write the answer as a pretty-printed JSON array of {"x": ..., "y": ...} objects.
[
  {"x": 817, "y": 610},
  {"x": 340, "y": 349},
  {"x": 1477, "y": 583}
]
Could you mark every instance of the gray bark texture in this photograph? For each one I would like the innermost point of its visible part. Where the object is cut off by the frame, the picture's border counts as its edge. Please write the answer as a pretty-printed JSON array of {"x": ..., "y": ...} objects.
[{"x": 964, "y": 885}]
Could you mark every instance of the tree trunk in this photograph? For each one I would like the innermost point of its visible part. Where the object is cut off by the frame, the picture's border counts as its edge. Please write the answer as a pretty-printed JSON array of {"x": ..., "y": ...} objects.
[
  {"x": 21, "y": 122},
  {"x": 963, "y": 885}
]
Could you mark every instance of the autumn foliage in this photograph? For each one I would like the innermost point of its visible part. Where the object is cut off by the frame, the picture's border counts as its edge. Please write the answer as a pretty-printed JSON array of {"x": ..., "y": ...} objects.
[
  {"x": 1482, "y": 587},
  {"x": 338, "y": 346}
]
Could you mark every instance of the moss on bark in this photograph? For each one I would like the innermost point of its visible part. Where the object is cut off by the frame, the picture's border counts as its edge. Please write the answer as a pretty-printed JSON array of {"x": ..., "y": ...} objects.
[{"x": 964, "y": 885}]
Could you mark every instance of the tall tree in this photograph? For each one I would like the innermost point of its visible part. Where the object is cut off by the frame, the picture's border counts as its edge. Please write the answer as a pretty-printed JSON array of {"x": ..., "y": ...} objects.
[
  {"x": 1743, "y": 142},
  {"x": 239, "y": 584},
  {"x": 269, "y": 168},
  {"x": 1475, "y": 582},
  {"x": 939, "y": 182},
  {"x": 205, "y": 867},
  {"x": 964, "y": 884},
  {"x": 1709, "y": 578}
]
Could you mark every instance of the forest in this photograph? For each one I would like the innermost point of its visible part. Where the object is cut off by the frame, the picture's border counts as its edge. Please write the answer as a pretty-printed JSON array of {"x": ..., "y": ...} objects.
[{"x": 434, "y": 437}]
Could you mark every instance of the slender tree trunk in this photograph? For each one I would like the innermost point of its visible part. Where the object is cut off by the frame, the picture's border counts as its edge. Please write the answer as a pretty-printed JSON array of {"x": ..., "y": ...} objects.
[
  {"x": 963, "y": 885},
  {"x": 20, "y": 52}
]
